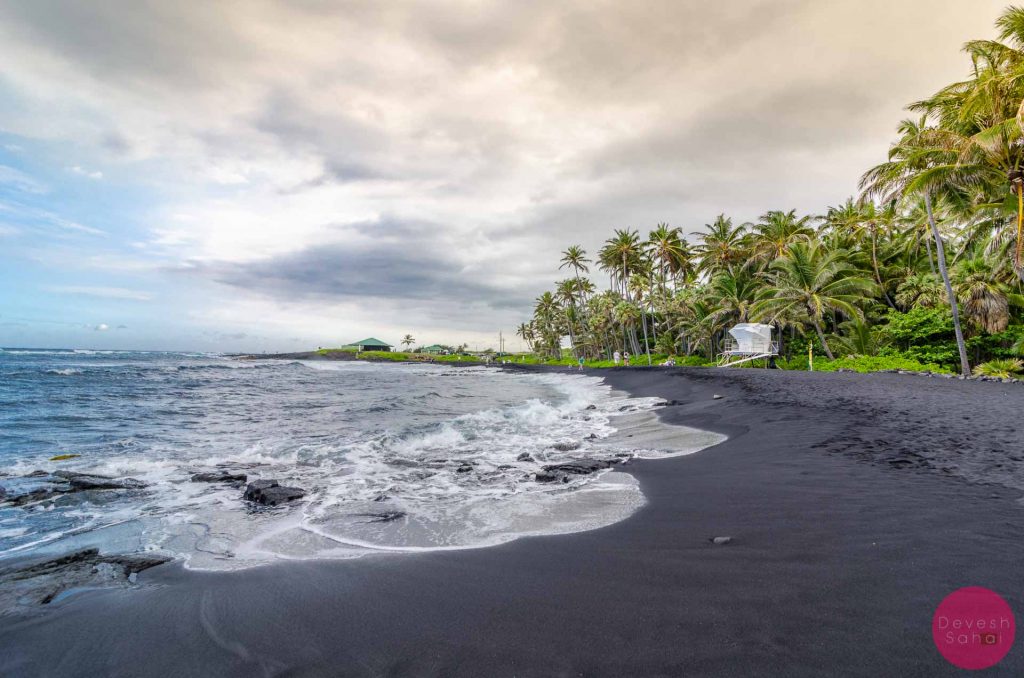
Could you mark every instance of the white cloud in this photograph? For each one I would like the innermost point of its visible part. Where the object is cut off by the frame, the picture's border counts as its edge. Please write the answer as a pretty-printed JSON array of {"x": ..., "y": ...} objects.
[
  {"x": 102, "y": 292},
  {"x": 77, "y": 169},
  {"x": 509, "y": 129},
  {"x": 102, "y": 327},
  {"x": 20, "y": 181}
]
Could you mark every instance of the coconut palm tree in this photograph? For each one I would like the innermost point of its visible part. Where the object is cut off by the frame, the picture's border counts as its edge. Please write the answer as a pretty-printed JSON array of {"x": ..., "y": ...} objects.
[
  {"x": 863, "y": 221},
  {"x": 810, "y": 283},
  {"x": 525, "y": 332},
  {"x": 774, "y": 232},
  {"x": 908, "y": 173},
  {"x": 669, "y": 250},
  {"x": 575, "y": 257},
  {"x": 408, "y": 341},
  {"x": 923, "y": 290},
  {"x": 733, "y": 294},
  {"x": 722, "y": 245},
  {"x": 857, "y": 338}
]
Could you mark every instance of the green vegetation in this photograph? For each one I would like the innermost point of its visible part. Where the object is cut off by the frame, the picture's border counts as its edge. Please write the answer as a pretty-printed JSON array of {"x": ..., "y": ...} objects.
[
  {"x": 400, "y": 356},
  {"x": 866, "y": 363},
  {"x": 1004, "y": 367},
  {"x": 921, "y": 271}
]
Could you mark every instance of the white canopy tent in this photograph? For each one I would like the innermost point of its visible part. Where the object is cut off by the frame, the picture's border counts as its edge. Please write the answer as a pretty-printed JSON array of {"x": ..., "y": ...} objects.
[
  {"x": 748, "y": 341},
  {"x": 752, "y": 338}
]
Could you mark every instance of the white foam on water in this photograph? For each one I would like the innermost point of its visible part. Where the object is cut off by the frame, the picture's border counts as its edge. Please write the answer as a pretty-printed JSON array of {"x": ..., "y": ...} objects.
[{"x": 456, "y": 484}]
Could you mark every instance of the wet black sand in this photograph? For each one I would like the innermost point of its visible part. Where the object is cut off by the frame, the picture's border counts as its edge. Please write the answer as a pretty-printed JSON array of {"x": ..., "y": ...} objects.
[{"x": 856, "y": 503}]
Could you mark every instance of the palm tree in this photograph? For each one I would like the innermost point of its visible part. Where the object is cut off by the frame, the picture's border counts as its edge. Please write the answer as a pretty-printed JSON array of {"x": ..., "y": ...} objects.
[
  {"x": 666, "y": 246},
  {"x": 621, "y": 255},
  {"x": 923, "y": 290},
  {"x": 908, "y": 173},
  {"x": 525, "y": 332},
  {"x": 566, "y": 293},
  {"x": 575, "y": 257},
  {"x": 546, "y": 318},
  {"x": 408, "y": 341},
  {"x": 722, "y": 245},
  {"x": 810, "y": 282},
  {"x": 733, "y": 294},
  {"x": 863, "y": 220},
  {"x": 774, "y": 232},
  {"x": 858, "y": 339},
  {"x": 985, "y": 299}
]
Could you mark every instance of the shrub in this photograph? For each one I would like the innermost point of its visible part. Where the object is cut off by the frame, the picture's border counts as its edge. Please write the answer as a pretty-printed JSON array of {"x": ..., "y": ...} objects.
[
  {"x": 863, "y": 363},
  {"x": 1004, "y": 367}
]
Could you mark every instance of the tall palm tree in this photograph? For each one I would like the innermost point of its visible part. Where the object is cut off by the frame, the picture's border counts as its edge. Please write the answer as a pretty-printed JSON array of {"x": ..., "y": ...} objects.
[
  {"x": 669, "y": 250},
  {"x": 809, "y": 283},
  {"x": 980, "y": 123},
  {"x": 774, "y": 232},
  {"x": 909, "y": 173},
  {"x": 566, "y": 293},
  {"x": 621, "y": 256},
  {"x": 525, "y": 332},
  {"x": 733, "y": 294},
  {"x": 575, "y": 257},
  {"x": 864, "y": 221},
  {"x": 722, "y": 245},
  {"x": 546, "y": 320}
]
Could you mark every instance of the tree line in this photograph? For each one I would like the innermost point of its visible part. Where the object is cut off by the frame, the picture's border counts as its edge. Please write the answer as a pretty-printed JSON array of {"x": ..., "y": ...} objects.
[{"x": 926, "y": 262}]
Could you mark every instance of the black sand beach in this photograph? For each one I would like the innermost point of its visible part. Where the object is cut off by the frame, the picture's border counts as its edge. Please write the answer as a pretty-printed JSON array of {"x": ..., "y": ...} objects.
[{"x": 856, "y": 503}]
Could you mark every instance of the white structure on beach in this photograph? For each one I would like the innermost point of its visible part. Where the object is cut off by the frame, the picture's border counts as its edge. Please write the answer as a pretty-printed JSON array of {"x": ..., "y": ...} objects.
[{"x": 749, "y": 341}]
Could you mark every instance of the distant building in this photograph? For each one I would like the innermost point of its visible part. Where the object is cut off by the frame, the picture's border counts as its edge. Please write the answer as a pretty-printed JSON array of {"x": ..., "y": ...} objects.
[
  {"x": 370, "y": 344},
  {"x": 435, "y": 349}
]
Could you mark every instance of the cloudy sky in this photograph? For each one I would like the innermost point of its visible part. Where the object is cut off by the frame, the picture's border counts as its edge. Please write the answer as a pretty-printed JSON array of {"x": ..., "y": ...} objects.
[{"x": 260, "y": 175}]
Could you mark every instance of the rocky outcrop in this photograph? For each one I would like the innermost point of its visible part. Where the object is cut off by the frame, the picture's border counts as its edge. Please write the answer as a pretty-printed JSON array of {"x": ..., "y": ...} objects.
[
  {"x": 525, "y": 456},
  {"x": 60, "y": 483},
  {"x": 39, "y": 582},
  {"x": 546, "y": 476},
  {"x": 385, "y": 517},
  {"x": 271, "y": 493},
  {"x": 92, "y": 481},
  {"x": 219, "y": 477},
  {"x": 567, "y": 446},
  {"x": 583, "y": 466}
]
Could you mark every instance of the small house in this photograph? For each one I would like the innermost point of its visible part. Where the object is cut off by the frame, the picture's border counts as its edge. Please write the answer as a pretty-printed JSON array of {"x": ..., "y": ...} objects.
[
  {"x": 370, "y": 344},
  {"x": 435, "y": 349}
]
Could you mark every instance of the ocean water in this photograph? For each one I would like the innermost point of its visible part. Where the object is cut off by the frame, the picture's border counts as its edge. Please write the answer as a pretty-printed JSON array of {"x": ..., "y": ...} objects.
[{"x": 377, "y": 447}]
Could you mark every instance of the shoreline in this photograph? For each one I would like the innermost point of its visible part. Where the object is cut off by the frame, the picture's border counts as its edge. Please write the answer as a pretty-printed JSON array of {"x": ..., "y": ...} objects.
[{"x": 855, "y": 504}]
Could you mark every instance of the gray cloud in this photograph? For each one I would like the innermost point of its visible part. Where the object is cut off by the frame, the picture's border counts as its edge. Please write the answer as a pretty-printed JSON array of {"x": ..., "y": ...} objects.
[
  {"x": 406, "y": 263},
  {"x": 492, "y": 134}
]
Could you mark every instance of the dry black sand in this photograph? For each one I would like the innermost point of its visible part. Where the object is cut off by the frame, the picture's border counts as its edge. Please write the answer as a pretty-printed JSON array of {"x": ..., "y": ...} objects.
[{"x": 856, "y": 503}]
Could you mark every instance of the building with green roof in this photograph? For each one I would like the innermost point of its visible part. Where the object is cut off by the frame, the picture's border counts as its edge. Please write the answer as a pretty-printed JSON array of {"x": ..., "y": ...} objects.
[
  {"x": 370, "y": 344},
  {"x": 435, "y": 349}
]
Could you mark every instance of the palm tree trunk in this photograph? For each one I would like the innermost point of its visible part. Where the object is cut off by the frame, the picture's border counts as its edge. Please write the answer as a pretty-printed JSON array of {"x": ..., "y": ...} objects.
[
  {"x": 821, "y": 338},
  {"x": 647, "y": 346},
  {"x": 878, "y": 276},
  {"x": 572, "y": 335},
  {"x": 1018, "y": 257},
  {"x": 940, "y": 254},
  {"x": 931, "y": 262}
]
